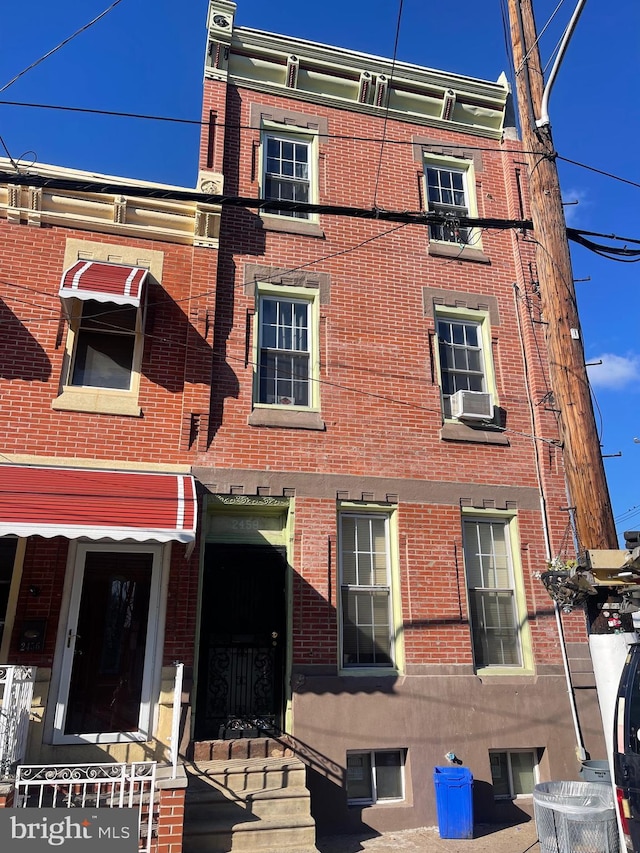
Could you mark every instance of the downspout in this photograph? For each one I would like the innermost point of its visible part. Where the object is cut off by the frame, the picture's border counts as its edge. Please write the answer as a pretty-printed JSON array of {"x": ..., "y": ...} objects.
[{"x": 580, "y": 750}]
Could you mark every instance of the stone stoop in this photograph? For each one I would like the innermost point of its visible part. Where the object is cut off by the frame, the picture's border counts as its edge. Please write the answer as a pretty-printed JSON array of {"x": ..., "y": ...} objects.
[{"x": 248, "y": 805}]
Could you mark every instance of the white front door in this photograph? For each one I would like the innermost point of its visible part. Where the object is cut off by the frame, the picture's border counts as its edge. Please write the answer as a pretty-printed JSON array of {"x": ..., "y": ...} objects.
[{"x": 109, "y": 645}]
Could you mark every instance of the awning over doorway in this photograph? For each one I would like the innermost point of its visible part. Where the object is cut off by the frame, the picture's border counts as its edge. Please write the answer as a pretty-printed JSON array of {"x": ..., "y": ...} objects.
[
  {"x": 103, "y": 282},
  {"x": 94, "y": 504}
]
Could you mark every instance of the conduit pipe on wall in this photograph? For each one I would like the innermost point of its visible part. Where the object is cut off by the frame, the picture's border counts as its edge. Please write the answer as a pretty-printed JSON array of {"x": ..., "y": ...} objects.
[{"x": 580, "y": 750}]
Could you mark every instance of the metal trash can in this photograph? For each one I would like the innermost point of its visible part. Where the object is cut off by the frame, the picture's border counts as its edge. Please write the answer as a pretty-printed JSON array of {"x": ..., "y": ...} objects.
[
  {"x": 595, "y": 771},
  {"x": 572, "y": 816},
  {"x": 454, "y": 801}
]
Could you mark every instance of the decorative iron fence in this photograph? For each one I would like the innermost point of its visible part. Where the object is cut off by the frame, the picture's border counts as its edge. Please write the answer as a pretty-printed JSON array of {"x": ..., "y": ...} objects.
[
  {"x": 109, "y": 786},
  {"x": 16, "y": 692}
]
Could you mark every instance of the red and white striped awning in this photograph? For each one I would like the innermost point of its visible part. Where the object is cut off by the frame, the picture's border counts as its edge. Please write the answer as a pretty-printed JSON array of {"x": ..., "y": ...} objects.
[
  {"x": 103, "y": 282},
  {"x": 87, "y": 503}
]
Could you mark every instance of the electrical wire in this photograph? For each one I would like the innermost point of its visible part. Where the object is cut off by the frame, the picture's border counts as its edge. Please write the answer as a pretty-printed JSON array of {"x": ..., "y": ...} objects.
[
  {"x": 627, "y": 514},
  {"x": 540, "y": 34},
  {"x": 420, "y": 217},
  {"x": 386, "y": 112},
  {"x": 372, "y": 139},
  {"x": 4, "y": 145},
  {"x": 375, "y": 140},
  {"x": 599, "y": 171},
  {"x": 59, "y": 46},
  {"x": 622, "y": 254}
]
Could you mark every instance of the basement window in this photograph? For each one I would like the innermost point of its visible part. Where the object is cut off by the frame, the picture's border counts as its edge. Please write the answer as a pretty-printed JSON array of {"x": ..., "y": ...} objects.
[
  {"x": 375, "y": 777},
  {"x": 513, "y": 773}
]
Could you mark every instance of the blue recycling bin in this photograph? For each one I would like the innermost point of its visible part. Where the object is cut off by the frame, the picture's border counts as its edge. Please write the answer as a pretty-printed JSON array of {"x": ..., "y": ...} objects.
[{"x": 454, "y": 801}]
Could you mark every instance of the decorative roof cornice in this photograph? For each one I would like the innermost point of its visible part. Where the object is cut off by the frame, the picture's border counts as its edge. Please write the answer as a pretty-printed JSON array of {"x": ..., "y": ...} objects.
[
  {"x": 173, "y": 221},
  {"x": 348, "y": 79}
]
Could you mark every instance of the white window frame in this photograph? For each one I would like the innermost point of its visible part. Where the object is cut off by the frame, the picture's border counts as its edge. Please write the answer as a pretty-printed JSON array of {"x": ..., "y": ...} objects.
[
  {"x": 393, "y": 616},
  {"x": 534, "y": 753},
  {"x": 374, "y": 799},
  {"x": 508, "y": 521},
  {"x": 461, "y": 237},
  {"x": 308, "y": 297},
  {"x": 78, "y": 329},
  {"x": 467, "y": 317},
  {"x": 295, "y": 136}
]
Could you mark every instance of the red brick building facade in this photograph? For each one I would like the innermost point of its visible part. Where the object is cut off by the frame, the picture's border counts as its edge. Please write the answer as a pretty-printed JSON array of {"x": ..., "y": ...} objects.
[
  {"x": 412, "y": 622},
  {"x": 364, "y": 406}
]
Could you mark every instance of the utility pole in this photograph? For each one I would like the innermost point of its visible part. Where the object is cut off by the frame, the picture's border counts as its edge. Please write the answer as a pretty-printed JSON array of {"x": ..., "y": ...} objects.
[{"x": 583, "y": 463}]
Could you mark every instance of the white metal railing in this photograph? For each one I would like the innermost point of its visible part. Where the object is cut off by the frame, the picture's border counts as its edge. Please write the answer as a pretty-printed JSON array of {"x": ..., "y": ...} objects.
[
  {"x": 109, "y": 786},
  {"x": 175, "y": 719},
  {"x": 16, "y": 685}
]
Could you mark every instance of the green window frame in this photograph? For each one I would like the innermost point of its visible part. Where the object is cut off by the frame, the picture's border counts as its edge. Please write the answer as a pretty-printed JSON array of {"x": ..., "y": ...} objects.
[
  {"x": 500, "y": 633},
  {"x": 286, "y": 349},
  {"x": 463, "y": 354},
  {"x": 366, "y": 602},
  {"x": 449, "y": 184},
  {"x": 289, "y": 169}
]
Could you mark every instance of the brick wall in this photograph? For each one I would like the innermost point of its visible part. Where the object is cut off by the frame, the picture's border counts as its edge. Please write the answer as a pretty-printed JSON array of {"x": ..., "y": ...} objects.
[
  {"x": 176, "y": 364},
  {"x": 170, "y": 822},
  {"x": 379, "y": 392}
]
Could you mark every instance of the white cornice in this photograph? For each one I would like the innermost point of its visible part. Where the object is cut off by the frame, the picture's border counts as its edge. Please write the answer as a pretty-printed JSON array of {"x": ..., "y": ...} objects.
[
  {"x": 172, "y": 221},
  {"x": 345, "y": 59},
  {"x": 333, "y": 76}
]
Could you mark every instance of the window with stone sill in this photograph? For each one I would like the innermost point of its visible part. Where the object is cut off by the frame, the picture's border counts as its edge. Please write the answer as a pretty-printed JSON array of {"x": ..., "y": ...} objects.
[
  {"x": 450, "y": 192},
  {"x": 287, "y": 352},
  {"x": 367, "y": 624},
  {"x": 495, "y": 593},
  {"x": 288, "y": 172},
  {"x": 463, "y": 352}
]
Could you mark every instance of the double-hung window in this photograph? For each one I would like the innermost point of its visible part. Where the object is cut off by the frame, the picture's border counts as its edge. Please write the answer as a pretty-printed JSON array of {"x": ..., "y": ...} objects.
[
  {"x": 287, "y": 171},
  {"x": 463, "y": 338},
  {"x": 449, "y": 184},
  {"x": 446, "y": 191},
  {"x": 285, "y": 351},
  {"x": 495, "y": 612},
  {"x": 376, "y": 776},
  {"x": 365, "y": 576},
  {"x": 461, "y": 357}
]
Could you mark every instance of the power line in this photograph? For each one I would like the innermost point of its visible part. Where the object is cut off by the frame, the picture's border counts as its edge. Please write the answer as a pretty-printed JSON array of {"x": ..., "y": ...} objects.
[
  {"x": 348, "y": 137},
  {"x": 386, "y": 112},
  {"x": 58, "y": 46},
  {"x": 600, "y": 171},
  {"x": 420, "y": 217},
  {"x": 405, "y": 217}
]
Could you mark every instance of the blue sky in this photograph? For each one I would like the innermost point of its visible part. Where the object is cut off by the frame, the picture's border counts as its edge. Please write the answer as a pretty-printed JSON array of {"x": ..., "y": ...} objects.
[{"x": 146, "y": 56}]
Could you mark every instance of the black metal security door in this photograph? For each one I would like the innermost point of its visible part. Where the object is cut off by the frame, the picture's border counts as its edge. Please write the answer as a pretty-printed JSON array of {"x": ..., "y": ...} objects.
[{"x": 242, "y": 642}]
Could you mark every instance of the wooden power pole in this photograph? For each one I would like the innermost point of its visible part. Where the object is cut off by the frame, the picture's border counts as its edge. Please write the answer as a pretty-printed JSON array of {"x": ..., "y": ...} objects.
[{"x": 583, "y": 463}]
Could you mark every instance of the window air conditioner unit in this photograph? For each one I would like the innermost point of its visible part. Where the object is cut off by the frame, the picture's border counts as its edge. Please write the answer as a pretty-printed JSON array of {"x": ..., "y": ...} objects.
[{"x": 472, "y": 406}]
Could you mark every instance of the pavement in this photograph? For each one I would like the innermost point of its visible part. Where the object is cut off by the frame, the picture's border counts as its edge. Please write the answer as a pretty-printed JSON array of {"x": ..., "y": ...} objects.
[{"x": 488, "y": 838}]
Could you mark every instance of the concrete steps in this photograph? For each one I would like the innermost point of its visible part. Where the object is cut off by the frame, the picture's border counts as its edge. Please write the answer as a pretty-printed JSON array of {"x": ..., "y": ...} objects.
[{"x": 255, "y": 805}]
